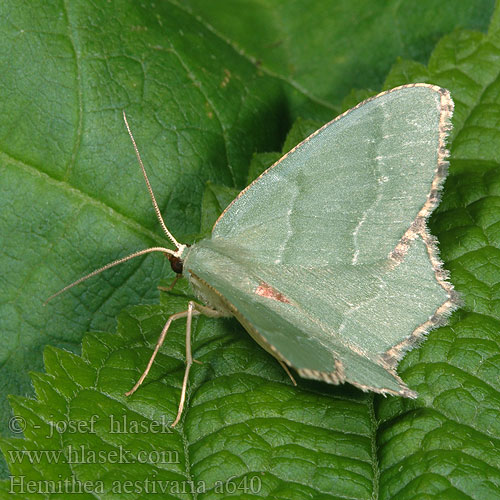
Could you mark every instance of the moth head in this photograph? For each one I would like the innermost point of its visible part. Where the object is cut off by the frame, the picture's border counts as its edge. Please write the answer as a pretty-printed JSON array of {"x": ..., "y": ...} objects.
[{"x": 176, "y": 263}]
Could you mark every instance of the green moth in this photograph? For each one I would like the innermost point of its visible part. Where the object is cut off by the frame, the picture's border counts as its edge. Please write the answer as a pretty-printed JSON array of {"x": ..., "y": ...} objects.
[{"x": 326, "y": 259}]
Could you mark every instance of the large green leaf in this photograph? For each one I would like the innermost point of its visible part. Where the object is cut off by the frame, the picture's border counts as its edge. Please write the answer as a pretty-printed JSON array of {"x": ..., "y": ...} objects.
[
  {"x": 72, "y": 198},
  {"x": 324, "y": 49}
]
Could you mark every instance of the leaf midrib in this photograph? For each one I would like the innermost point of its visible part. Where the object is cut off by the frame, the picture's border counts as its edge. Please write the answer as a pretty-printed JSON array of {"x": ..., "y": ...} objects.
[{"x": 84, "y": 197}]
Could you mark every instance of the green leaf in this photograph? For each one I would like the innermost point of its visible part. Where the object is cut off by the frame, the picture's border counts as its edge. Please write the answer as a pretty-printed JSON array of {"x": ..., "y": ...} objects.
[
  {"x": 215, "y": 199},
  {"x": 72, "y": 199},
  {"x": 325, "y": 49}
]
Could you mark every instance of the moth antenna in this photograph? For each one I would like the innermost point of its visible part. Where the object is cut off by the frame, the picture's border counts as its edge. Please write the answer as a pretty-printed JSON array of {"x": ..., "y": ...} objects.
[
  {"x": 150, "y": 189},
  {"x": 107, "y": 266}
]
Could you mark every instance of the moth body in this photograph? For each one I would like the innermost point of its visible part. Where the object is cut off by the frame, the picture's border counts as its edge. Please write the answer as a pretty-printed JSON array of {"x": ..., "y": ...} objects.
[{"x": 326, "y": 259}]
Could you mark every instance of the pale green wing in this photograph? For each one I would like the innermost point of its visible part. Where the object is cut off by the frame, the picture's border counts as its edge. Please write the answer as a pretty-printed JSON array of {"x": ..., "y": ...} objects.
[
  {"x": 339, "y": 322},
  {"x": 326, "y": 258},
  {"x": 349, "y": 192}
]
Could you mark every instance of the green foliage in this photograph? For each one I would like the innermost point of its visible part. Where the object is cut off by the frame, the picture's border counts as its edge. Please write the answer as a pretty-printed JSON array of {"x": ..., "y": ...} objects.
[
  {"x": 202, "y": 95},
  {"x": 215, "y": 199}
]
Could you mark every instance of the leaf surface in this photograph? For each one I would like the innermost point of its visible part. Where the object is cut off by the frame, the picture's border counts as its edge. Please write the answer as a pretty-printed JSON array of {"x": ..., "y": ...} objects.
[{"x": 69, "y": 205}]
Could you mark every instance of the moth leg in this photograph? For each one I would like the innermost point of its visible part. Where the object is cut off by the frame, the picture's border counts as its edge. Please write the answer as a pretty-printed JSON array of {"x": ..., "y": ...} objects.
[
  {"x": 161, "y": 339},
  {"x": 168, "y": 289},
  {"x": 171, "y": 286},
  {"x": 193, "y": 309},
  {"x": 287, "y": 371}
]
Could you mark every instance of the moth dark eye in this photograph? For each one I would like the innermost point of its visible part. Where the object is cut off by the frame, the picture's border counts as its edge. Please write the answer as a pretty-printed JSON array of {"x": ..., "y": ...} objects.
[{"x": 176, "y": 264}]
